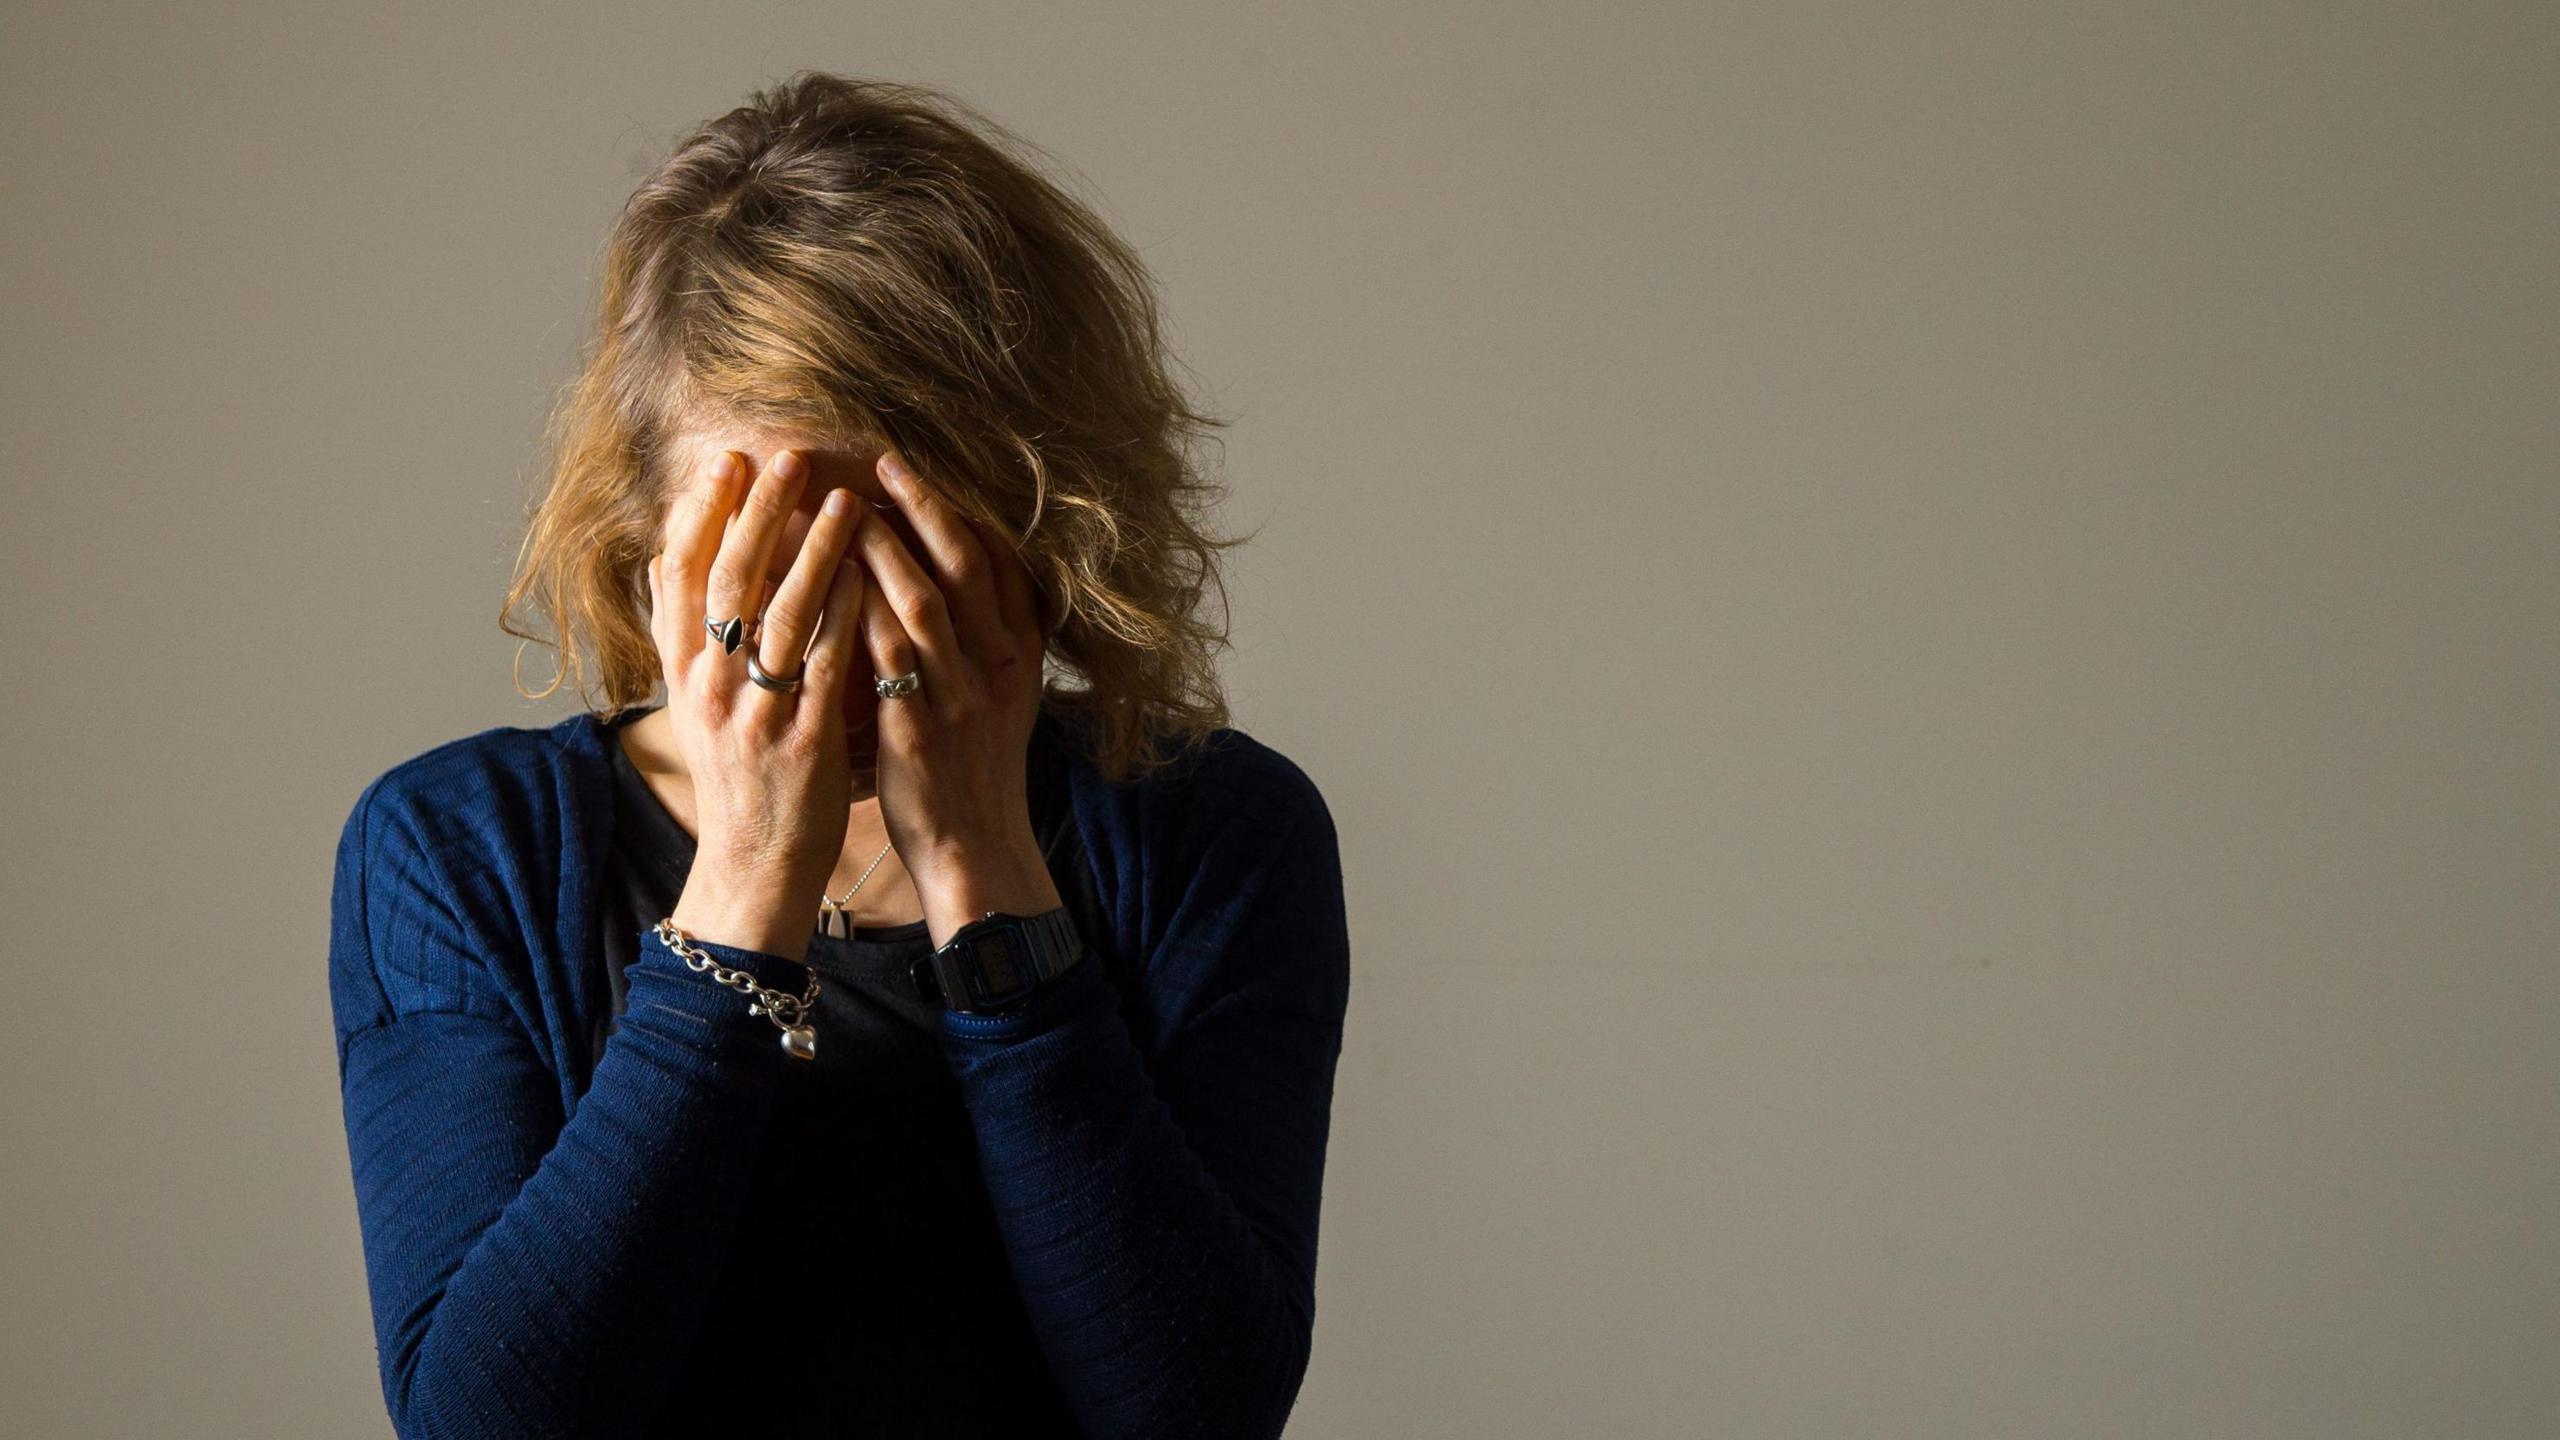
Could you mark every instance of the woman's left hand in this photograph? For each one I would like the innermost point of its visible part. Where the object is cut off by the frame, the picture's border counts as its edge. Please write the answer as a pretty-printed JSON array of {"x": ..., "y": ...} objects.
[{"x": 953, "y": 754}]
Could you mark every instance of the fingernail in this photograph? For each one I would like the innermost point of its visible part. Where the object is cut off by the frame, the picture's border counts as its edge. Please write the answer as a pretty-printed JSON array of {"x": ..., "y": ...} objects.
[
  {"x": 836, "y": 501},
  {"x": 893, "y": 469},
  {"x": 787, "y": 465}
]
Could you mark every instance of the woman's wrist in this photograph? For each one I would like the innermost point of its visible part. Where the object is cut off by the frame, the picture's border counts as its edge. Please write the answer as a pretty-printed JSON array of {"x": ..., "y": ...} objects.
[
  {"x": 958, "y": 887},
  {"x": 717, "y": 911}
]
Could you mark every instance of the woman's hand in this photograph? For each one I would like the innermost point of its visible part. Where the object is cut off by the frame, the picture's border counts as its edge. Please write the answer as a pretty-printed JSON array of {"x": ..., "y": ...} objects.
[
  {"x": 954, "y": 771},
  {"x": 771, "y": 781}
]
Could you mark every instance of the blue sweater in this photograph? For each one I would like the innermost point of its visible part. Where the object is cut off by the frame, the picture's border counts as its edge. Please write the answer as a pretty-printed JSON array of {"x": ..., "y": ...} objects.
[{"x": 545, "y": 1219}]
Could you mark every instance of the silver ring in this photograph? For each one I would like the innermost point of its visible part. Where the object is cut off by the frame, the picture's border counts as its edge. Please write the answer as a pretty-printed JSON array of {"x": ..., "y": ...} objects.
[
  {"x": 778, "y": 686},
  {"x": 897, "y": 685},
  {"x": 734, "y": 631}
]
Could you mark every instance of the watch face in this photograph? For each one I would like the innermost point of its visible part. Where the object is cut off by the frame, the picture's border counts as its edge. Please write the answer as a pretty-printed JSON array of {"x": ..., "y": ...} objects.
[{"x": 1001, "y": 973}]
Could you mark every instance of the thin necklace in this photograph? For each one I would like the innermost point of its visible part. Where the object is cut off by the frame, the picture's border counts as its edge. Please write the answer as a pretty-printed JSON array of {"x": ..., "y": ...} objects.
[{"x": 833, "y": 919}]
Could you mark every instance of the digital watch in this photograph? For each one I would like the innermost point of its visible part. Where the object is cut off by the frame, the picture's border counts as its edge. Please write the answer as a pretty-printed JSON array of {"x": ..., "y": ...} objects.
[{"x": 995, "y": 964}]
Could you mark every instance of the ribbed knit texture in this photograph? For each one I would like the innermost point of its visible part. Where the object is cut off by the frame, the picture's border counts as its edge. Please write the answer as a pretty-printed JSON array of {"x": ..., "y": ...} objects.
[{"x": 543, "y": 1228}]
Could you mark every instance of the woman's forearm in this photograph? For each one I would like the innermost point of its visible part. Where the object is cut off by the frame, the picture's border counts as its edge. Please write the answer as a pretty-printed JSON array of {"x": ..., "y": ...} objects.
[
  {"x": 1172, "y": 1286},
  {"x": 538, "y": 1278}
]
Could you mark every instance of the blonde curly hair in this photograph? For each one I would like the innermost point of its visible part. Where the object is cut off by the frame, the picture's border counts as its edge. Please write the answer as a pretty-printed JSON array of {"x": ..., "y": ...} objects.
[{"x": 880, "y": 262}]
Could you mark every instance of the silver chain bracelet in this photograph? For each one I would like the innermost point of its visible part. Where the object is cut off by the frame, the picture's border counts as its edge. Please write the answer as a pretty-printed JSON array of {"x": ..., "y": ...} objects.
[{"x": 790, "y": 1012}]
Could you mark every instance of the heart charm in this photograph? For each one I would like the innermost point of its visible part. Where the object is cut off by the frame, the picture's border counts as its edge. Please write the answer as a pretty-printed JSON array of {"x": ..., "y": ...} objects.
[{"x": 800, "y": 1043}]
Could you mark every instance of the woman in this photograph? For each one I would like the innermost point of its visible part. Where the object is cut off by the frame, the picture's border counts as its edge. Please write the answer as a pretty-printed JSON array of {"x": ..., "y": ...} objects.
[{"x": 868, "y": 1038}]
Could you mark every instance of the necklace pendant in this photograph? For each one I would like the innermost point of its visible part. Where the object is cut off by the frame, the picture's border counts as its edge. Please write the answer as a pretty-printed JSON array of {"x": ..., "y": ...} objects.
[{"x": 800, "y": 1042}]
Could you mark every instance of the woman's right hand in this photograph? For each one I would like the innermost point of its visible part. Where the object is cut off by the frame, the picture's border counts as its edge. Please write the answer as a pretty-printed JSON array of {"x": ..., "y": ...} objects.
[{"x": 771, "y": 784}]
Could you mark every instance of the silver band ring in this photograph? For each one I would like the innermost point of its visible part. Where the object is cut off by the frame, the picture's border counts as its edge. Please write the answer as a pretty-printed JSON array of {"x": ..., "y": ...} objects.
[
  {"x": 897, "y": 685},
  {"x": 774, "y": 683},
  {"x": 734, "y": 631}
]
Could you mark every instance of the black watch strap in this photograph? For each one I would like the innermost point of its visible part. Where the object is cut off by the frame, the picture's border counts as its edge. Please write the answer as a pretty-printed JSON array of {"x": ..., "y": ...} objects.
[{"x": 997, "y": 962}]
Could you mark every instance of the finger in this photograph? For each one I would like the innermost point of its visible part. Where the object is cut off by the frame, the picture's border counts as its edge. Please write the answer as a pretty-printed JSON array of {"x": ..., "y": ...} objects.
[
  {"x": 737, "y": 578},
  {"x": 833, "y": 660},
  {"x": 693, "y": 535},
  {"x": 893, "y": 653},
  {"x": 962, "y": 569},
  {"x": 791, "y": 617},
  {"x": 1016, "y": 597},
  {"x": 922, "y": 628}
]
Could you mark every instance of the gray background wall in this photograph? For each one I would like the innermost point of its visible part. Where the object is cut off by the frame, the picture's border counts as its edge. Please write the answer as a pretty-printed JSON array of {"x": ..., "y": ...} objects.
[{"x": 1930, "y": 629}]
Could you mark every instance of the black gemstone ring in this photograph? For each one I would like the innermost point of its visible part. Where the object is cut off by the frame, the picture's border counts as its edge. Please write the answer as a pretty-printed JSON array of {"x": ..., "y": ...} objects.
[{"x": 732, "y": 632}]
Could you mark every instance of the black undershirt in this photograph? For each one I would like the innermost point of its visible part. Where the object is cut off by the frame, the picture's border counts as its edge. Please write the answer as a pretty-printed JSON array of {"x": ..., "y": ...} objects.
[
  {"x": 904, "y": 1314},
  {"x": 865, "y": 997}
]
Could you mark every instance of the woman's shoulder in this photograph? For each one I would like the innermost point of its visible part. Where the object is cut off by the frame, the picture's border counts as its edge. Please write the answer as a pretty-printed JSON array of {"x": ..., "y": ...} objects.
[
  {"x": 501, "y": 780},
  {"x": 1189, "y": 850},
  {"x": 445, "y": 872},
  {"x": 1224, "y": 779},
  {"x": 477, "y": 825},
  {"x": 1225, "y": 870}
]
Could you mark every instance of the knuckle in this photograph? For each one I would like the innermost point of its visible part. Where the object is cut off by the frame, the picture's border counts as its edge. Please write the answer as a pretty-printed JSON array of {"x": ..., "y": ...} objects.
[
  {"x": 794, "y": 739},
  {"x": 729, "y": 576},
  {"x": 821, "y": 671},
  {"x": 770, "y": 498},
  {"x": 787, "y": 612},
  {"x": 918, "y": 606},
  {"x": 770, "y": 728}
]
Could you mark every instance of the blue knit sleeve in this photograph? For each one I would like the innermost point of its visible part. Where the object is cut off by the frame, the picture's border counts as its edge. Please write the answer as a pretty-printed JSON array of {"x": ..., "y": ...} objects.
[
  {"x": 529, "y": 1277},
  {"x": 1160, "y": 1215}
]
